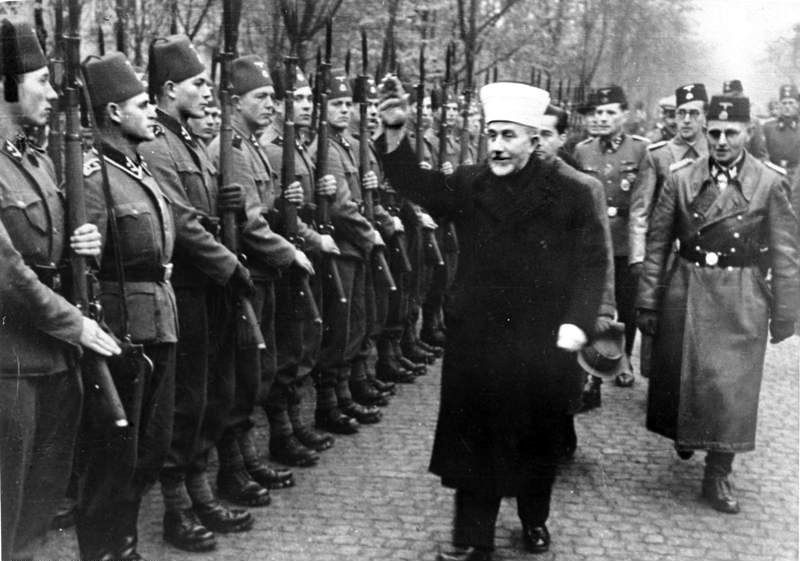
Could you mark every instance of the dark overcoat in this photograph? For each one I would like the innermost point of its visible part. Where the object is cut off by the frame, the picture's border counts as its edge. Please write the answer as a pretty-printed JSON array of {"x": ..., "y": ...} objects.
[
  {"x": 532, "y": 258},
  {"x": 709, "y": 350}
]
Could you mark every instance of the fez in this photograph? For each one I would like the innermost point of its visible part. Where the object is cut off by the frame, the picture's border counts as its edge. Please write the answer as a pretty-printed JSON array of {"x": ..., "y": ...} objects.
[
  {"x": 691, "y": 92},
  {"x": 788, "y": 90},
  {"x": 514, "y": 102},
  {"x": 610, "y": 94},
  {"x": 339, "y": 87},
  {"x": 21, "y": 50},
  {"x": 729, "y": 108},
  {"x": 172, "y": 58},
  {"x": 732, "y": 86},
  {"x": 589, "y": 105},
  {"x": 110, "y": 79},
  {"x": 248, "y": 73}
]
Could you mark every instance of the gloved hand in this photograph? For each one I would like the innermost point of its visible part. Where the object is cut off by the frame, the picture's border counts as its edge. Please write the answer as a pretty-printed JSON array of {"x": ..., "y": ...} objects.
[
  {"x": 294, "y": 193},
  {"x": 425, "y": 165},
  {"x": 780, "y": 330},
  {"x": 326, "y": 186},
  {"x": 636, "y": 269},
  {"x": 447, "y": 168},
  {"x": 398, "y": 224},
  {"x": 427, "y": 222},
  {"x": 241, "y": 283},
  {"x": 647, "y": 321},
  {"x": 570, "y": 337},
  {"x": 231, "y": 198},
  {"x": 369, "y": 181}
]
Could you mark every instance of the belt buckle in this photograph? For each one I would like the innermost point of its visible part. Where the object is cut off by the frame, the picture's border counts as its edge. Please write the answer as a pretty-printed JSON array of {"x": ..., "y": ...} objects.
[
  {"x": 55, "y": 282},
  {"x": 167, "y": 271}
]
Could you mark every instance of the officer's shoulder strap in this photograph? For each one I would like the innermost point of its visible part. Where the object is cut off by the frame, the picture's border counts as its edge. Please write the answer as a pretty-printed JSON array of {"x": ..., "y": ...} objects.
[
  {"x": 658, "y": 144},
  {"x": 775, "y": 167},
  {"x": 680, "y": 164},
  {"x": 90, "y": 166},
  {"x": 640, "y": 138}
]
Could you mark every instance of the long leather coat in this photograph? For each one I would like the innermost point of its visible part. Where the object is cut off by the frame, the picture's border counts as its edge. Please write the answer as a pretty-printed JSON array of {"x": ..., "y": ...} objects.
[
  {"x": 532, "y": 258},
  {"x": 709, "y": 350}
]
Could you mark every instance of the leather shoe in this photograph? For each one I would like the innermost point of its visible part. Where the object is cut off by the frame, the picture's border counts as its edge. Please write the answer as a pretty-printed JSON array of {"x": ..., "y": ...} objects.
[
  {"x": 536, "y": 538},
  {"x": 415, "y": 367},
  {"x": 435, "y": 350},
  {"x": 238, "y": 487},
  {"x": 389, "y": 372},
  {"x": 270, "y": 478},
  {"x": 591, "y": 397},
  {"x": 364, "y": 415},
  {"x": 183, "y": 530},
  {"x": 365, "y": 393},
  {"x": 465, "y": 554},
  {"x": 333, "y": 420},
  {"x": 290, "y": 451},
  {"x": 684, "y": 454},
  {"x": 719, "y": 493},
  {"x": 315, "y": 440},
  {"x": 385, "y": 387},
  {"x": 218, "y": 518},
  {"x": 417, "y": 353},
  {"x": 624, "y": 380}
]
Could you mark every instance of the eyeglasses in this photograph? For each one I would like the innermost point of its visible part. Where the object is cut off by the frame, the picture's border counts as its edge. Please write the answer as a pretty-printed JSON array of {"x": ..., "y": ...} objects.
[
  {"x": 693, "y": 113},
  {"x": 730, "y": 134}
]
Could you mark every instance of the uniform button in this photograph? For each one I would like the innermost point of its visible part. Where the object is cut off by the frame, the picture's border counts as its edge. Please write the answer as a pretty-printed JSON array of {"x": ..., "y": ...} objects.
[
  {"x": 739, "y": 217},
  {"x": 20, "y": 203},
  {"x": 696, "y": 215},
  {"x": 733, "y": 250},
  {"x": 736, "y": 235},
  {"x": 697, "y": 248}
]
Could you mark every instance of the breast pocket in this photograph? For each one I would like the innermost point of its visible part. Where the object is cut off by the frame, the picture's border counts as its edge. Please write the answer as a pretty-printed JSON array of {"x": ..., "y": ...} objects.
[
  {"x": 199, "y": 192},
  {"x": 138, "y": 230},
  {"x": 627, "y": 177},
  {"x": 23, "y": 210}
]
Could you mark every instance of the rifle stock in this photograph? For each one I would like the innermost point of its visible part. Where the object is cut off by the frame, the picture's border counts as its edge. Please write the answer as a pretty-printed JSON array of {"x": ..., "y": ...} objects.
[
  {"x": 231, "y": 10},
  {"x": 94, "y": 368}
]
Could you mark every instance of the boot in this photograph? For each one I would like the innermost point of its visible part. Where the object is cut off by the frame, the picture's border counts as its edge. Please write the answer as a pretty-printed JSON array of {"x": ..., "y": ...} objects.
[
  {"x": 384, "y": 387},
  {"x": 364, "y": 415},
  {"x": 264, "y": 475},
  {"x": 335, "y": 421},
  {"x": 290, "y": 451},
  {"x": 219, "y": 518},
  {"x": 436, "y": 351},
  {"x": 317, "y": 441},
  {"x": 591, "y": 394},
  {"x": 417, "y": 368},
  {"x": 364, "y": 392},
  {"x": 184, "y": 530},
  {"x": 238, "y": 487},
  {"x": 388, "y": 372}
]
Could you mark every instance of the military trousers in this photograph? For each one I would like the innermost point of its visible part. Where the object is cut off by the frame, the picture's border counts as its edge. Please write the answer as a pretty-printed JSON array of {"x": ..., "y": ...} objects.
[
  {"x": 625, "y": 285},
  {"x": 39, "y": 418}
]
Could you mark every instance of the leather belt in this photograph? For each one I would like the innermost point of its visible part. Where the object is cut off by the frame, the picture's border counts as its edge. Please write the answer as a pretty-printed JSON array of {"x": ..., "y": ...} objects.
[
  {"x": 159, "y": 274},
  {"x": 705, "y": 258},
  {"x": 49, "y": 275}
]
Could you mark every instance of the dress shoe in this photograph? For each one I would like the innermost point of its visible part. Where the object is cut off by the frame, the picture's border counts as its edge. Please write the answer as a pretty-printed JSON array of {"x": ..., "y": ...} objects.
[
  {"x": 624, "y": 380},
  {"x": 238, "y": 487},
  {"x": 218, "y": 518},
  {"x": 385, "y": 387},
  {"x": 684, "y": 454},
  {"x": 290, "y": 451},
  {"x": 271, "y": 478},
  {"x": 591, "y": 397},
  {"x": 183, "y": 529},
  {"x": 318, "y": 441},
  {"x": 719, "y": 494},
  {"x": 364, "y": 415},
  {"x": 364, "y": 392},
  {"x": 536, "y": 538},
  {"x": 333, "y": 420},
  {"x": 465, "y": 554},
  {"x": 388, "y": 372}
]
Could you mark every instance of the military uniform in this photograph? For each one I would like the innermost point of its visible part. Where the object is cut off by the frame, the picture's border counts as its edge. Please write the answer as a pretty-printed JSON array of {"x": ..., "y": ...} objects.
[
  {"x": 39, "y": 340},
  {"x": 120, "y": 468},
  {"x": 617, "y": 163},
  {"x": 782, "y": 137}
]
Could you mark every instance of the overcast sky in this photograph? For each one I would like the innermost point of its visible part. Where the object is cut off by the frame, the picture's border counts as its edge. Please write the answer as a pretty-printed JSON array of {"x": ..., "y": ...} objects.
[{"x": 737, "y": 32}]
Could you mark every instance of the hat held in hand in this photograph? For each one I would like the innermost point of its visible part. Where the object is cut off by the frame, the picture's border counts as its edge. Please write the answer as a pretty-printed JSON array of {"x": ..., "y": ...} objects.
[
  {"x": 605, "y": 356},
  {"x": 390, "y": 92}
]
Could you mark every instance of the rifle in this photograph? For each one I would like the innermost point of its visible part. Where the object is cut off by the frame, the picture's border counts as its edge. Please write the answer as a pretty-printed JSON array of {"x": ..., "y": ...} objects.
[
  {"x": 463, "y": 155},
  {"x": 287, "y": 176},
  {"x": 55, "y": 138},
  {"x": 119, "y": 27},
  {"x": 444, "y": 131},
  {"x": 360, "y": 97},
  {"x": 231, "y": 11},
  {"x": 323, "y": 203},
  {"x": 434, "y": 254},
  {"x": 94, "y": 367}
]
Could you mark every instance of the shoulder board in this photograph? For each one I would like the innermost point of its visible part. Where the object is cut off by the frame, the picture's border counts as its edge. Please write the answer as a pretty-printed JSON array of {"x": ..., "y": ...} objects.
[
  {"x": 585, "y": 141},
  {"x": 640, "y": 138},
  {"x": 658, "y": 144},
  {"x": 91, "y": 166},
  {"x": 775, "y": 167},
  {"x": 681, "y": 164},
  {"x": 277, "y": 141},
  {"x": 237, "y": 142}
]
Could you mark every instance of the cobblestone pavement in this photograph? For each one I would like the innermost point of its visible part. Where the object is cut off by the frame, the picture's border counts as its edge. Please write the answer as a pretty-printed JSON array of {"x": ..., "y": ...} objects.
[{"x": 625, "y": 496}]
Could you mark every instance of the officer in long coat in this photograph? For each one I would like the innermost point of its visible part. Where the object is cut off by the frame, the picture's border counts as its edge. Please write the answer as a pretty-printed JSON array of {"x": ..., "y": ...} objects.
[
  {"x": 525, "y": 297},
  {"x": 40, "y": 332},
  {"x": 122, "y": 466},
  {"x": 782, "y": 135},
  {"x": 710, "y": 307}
]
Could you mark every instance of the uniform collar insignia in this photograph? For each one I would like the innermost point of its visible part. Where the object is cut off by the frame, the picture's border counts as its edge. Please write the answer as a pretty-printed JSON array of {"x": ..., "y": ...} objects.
[
  {"x": 13, "y": 151},
  {"x": 122, "y": 161},
  {"x": 172, "y": 124},
  {"x": 612, "y": 144}
]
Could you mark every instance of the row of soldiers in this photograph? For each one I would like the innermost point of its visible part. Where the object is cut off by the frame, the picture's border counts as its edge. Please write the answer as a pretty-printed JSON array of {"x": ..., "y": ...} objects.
[{"x": 169, "y": 286}]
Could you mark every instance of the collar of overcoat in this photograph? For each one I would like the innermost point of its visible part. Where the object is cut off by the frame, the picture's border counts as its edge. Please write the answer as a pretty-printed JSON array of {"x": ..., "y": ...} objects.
[
  {"x": 518, "y": 197},
  {"x": 738, "y": 194}
]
